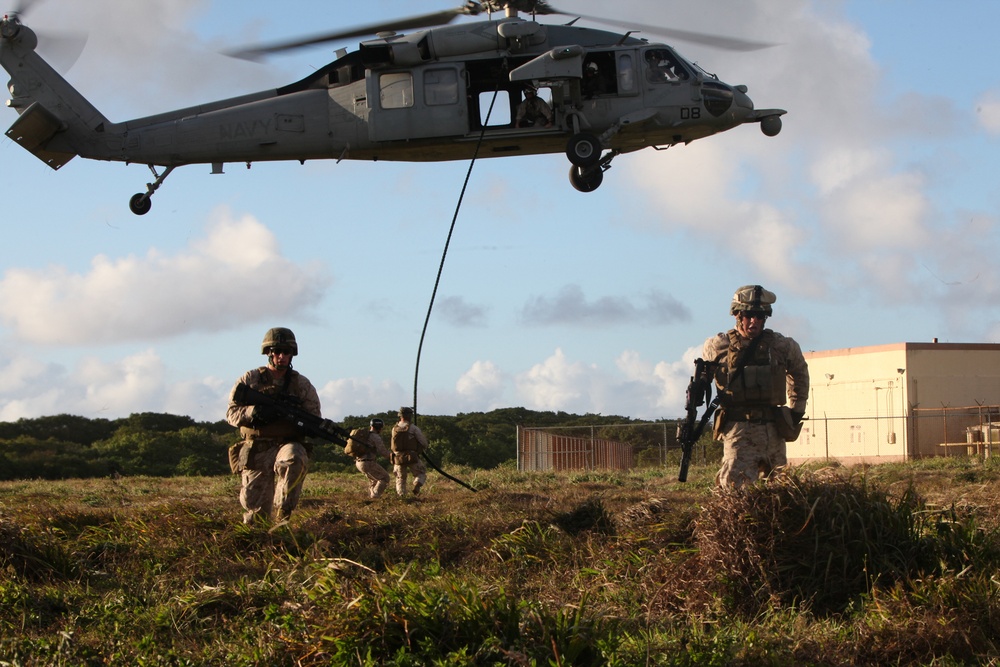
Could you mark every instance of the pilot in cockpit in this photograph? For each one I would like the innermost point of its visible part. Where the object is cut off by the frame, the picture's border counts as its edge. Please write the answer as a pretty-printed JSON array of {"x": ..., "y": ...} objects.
[{"x": 661, "y": 66}]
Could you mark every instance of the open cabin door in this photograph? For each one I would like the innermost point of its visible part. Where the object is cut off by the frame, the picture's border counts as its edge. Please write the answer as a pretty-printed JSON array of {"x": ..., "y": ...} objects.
[{"x": 417, "y": 103}]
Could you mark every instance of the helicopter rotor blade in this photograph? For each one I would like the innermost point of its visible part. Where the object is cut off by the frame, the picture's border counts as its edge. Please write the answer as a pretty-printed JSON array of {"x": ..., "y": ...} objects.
[
  {"x": 22, "y": 7},
  {"x": 421, "y": 21},
  {"x": 61, "y": 49},
  {"x": 705, "y": 39}
]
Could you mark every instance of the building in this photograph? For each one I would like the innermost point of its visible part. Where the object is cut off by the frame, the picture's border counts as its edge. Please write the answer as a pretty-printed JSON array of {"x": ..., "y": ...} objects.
[{"x": 901, "y": 401}]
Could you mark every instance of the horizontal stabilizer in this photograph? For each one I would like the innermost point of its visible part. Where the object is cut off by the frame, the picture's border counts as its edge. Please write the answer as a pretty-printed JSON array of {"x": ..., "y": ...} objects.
[{"x": 33, "y": 129}]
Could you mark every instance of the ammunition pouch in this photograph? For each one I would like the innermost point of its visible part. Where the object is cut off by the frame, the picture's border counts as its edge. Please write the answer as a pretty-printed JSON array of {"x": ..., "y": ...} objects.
[
  {"x": 234, "y": 457},
  {"x": 405, "y": 458},
  {"x": 754, "y": 415},
  {"x": 788, "y": 426},
  {"x": 242, "y": 455}
]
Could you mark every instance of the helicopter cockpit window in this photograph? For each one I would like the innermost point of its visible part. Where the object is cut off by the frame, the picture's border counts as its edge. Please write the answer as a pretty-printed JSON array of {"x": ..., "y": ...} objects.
[
  {"x": 662, "y": 67},
  {"x": 440, "y": 87},
  {"x": 395, "y": 90}
]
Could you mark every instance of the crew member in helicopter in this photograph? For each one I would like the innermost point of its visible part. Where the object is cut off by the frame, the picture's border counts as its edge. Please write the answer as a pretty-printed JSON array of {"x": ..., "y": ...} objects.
[
  {"x": 533, "y": 111},
  {"x": 593, "y": 83}
]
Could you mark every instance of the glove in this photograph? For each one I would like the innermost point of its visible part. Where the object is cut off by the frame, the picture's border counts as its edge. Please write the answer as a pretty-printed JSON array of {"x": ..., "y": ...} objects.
[
  {"x": 797, "y": 417},
  {"x": 263, "y": 414}
]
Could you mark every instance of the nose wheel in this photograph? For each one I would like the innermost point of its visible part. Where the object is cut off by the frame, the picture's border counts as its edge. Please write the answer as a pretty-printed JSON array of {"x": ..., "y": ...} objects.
[
  {"x": 586, "y": 179},
  {"x": 589, "y": 178},
  {"x": 141, "y": 202}
]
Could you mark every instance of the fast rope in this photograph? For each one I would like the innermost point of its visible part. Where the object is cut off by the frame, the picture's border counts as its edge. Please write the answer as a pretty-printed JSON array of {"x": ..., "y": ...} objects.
[{"x": 437, "y": 281}]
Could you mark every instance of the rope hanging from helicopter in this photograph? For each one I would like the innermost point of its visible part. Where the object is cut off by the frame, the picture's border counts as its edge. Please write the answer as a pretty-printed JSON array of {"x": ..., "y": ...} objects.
[{"x": 437, "y": 280}]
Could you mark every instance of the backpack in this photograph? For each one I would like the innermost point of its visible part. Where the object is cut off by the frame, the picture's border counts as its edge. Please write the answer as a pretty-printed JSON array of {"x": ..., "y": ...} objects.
[{"x": 357, "y": 445}]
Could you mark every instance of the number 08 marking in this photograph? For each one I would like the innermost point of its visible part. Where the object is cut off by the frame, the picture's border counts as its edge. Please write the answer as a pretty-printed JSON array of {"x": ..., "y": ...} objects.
[{"x": 688, "y": 113}]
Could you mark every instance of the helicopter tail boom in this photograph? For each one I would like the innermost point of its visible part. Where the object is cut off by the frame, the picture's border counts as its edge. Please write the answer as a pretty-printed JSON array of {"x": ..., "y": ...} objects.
[{"x": 55, "y": 122}]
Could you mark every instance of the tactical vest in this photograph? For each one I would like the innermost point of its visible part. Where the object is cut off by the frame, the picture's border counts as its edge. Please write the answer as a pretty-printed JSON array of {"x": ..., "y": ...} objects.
[
  {"x": 358, "y": 444},
  {"x": 762, "y": 382},
  {"x": 280, "y": 429},
  {"x": 404, "y": 441}
]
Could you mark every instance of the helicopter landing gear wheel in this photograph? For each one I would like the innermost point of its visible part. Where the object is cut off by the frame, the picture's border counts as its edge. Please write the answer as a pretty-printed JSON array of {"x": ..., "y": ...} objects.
[
  {"x": 140, "y": 203},
  {"x": 583, "y": 149},
  {"x": 586, "y": 180}
]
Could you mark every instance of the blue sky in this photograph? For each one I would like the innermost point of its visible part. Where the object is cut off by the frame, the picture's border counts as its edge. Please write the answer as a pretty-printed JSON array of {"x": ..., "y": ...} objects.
[{"x": 872, "y": 216}]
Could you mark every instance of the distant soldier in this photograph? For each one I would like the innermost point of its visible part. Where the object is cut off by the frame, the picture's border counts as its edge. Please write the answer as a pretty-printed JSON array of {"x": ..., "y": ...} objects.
[
  {"x": 272, "y": 458},
  {"x": 408, "y": 442},
  {"x": 365, "y": 453},
  {"x": 757, "y": 372}
]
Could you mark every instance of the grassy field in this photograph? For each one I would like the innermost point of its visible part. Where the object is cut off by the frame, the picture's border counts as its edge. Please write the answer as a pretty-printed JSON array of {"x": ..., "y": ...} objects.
[{"x": 890, "y": 565}]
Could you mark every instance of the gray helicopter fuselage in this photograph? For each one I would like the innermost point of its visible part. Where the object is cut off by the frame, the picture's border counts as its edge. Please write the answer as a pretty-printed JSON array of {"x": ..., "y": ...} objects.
[
  {"x": 345, "y": 112},
  {"x": 444, "y": 93}
]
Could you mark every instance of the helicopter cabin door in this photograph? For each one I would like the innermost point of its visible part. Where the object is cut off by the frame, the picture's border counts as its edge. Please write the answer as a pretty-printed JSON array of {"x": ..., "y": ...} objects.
[{"x": 417, "y": 103}]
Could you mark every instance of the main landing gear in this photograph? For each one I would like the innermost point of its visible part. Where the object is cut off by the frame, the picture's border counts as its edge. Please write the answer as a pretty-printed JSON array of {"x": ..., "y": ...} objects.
[{"x": 141, "y": 202}]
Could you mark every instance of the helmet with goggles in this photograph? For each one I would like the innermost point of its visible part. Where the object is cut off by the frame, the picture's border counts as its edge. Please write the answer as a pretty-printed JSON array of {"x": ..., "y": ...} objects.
[
  {"x": 752, "y": 300},
  {"x": 279, "y": 338}
]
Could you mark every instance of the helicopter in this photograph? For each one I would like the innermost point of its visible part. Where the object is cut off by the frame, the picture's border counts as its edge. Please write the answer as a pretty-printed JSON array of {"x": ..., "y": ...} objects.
[{"x": 445, "y": 92}]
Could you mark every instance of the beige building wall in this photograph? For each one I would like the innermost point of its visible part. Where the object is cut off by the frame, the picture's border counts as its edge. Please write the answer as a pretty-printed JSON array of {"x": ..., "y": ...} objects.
[{"x": 874, "y": 404}]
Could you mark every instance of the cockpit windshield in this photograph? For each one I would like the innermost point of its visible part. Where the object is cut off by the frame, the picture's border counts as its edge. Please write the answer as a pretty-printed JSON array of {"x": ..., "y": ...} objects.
[
  {"x": 664, "y": 66},
  {"x": 701, "y": 70}
]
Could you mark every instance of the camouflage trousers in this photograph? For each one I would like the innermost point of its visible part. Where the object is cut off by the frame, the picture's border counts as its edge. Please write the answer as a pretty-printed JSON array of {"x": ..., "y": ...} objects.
[
  {"x": 419, "y": 472},
  {"x": 750, "y": 451},
  {"x": 378, "y": 477},
  {"x": 274, "y": 483}
]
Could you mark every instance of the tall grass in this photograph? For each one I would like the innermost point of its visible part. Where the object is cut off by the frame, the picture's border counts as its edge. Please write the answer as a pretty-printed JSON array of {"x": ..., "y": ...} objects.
[{"x": 822, "y": 567}]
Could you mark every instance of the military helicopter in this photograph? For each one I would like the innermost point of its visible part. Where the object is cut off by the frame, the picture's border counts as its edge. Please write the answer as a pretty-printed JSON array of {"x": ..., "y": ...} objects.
[{"x": 422, "y": 96}]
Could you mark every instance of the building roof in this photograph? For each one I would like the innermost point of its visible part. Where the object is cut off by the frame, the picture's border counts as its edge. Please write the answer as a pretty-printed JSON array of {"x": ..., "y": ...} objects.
[{"x": 903, "y": 347}]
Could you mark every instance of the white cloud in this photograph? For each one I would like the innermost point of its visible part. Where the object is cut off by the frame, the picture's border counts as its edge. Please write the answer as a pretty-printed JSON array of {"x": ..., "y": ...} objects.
[
  {"x": 482, "y": 385},
  {"x": 94, "y": 388},
  {"x": 220, "y": 281},
  {"x": 988, "y": 112},
  {"x": 360, "y": 396},
  {"x": 636, "y": 388},
  {"x": 882, "y": 210},
  {"x": 554, "y": 383}
]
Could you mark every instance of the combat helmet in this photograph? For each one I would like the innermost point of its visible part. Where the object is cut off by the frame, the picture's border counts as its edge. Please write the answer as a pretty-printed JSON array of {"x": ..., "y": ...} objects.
[
  {"x": 279, "y": 337},
  {"x": 752, "y": 299},
  {"x": 377, "y": 424}
]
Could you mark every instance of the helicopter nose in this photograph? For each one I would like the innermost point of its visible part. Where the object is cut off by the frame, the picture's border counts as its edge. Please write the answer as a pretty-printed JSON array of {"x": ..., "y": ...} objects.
[{"x": 741, "y": 99}]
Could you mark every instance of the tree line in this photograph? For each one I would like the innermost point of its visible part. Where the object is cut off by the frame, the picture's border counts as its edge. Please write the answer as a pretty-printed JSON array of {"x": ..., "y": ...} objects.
[{"x": 164, "y": 445}]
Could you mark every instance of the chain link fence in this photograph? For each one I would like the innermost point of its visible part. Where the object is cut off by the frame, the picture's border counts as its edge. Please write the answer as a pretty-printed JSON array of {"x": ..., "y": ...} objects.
[{"x": 603, "y": 447}]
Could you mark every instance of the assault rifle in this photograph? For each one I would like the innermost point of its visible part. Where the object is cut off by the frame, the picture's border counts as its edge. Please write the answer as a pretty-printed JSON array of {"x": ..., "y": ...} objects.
[
  {"x": 311, "y": 425},
  {"x": 699, "y": 392}
]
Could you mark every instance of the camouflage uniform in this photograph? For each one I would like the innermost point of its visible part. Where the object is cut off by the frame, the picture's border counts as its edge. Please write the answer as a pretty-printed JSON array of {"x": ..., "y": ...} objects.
[
  {"x": 378, "y": 477},
  {"x": 408, "y": 448},
  {"x": 533, "y": 111},
  {"x": 746, "y": 421},
  {"x": 756, "y": 372},
  {"x": 273, "y": 459}
]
